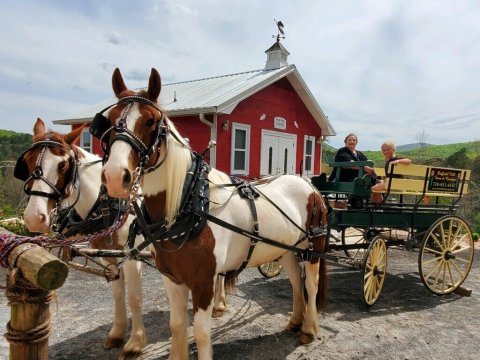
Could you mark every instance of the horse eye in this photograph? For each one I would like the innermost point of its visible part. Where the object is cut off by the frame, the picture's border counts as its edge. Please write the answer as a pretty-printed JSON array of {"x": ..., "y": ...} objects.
[
  {"x": 62, "y": 165},
  {"x": 150, "y": 122}
]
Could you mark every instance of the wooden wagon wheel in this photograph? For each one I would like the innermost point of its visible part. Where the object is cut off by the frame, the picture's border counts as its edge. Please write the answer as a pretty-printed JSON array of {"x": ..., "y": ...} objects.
[
  {"x": 357, "y": 236},
  {"x": 374, "y": 270},
  {"x": 270, "y": 269},
  {"x": 446, "y": 255}
]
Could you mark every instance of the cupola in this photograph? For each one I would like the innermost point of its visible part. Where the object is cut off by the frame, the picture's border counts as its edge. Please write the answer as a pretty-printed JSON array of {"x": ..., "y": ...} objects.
[{"x": 277, "y": 55}]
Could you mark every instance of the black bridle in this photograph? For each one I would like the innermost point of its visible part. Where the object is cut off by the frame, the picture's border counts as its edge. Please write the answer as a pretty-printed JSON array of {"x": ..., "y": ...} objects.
[
  {"x": 21, "y": 171},
  {"x": 101, "y": 129}
]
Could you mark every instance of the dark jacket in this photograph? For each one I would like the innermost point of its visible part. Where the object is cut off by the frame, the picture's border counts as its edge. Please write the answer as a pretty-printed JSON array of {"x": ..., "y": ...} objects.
[{"x": 346, "y": 174}]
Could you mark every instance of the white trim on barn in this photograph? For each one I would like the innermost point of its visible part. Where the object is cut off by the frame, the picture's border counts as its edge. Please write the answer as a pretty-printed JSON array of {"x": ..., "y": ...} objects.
[{"x": 240, "y": 153}]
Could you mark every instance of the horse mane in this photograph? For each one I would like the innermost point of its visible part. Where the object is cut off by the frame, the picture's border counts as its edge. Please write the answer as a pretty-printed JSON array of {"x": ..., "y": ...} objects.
[{"x": 177, "y": 163}]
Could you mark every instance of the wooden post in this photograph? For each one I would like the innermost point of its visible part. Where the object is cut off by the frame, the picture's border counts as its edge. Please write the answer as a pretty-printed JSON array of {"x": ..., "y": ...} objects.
[{"x": 35, "y": 274}]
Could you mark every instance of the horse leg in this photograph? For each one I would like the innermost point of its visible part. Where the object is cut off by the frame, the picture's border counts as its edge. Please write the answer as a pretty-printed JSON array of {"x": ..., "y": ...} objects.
[
  {"x": 133, "y": 278},
  {"x": 178, "y": 299},
  {"x": 310, "y": 323},
  {"x": 202, "y": 320},
  {"x": 117, "y": 332},
  {"x": 290, "y": 263},
  {"x": 220, "y": 302}
]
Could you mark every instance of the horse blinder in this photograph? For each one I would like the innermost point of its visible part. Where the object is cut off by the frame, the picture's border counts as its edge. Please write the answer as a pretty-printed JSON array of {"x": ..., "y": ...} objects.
[
  {"x": 99, "y": 125},
  {"x": 21, "y": 169}
]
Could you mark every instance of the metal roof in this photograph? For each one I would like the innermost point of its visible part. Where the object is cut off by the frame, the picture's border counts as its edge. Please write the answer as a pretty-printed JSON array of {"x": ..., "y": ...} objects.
[{"x": 220, "y": 95}]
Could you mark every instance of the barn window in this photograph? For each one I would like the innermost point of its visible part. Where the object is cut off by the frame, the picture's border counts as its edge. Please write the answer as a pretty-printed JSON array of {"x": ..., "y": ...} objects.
[
  {"x": 308, "y": 155},
  {"x": 86, "y": 140},
  {"x": 240, "y": 149}
]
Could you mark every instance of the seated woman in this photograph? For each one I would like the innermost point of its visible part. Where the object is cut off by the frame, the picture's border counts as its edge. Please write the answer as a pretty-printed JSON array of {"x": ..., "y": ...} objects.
[
  {"x": 349, "y": 153},
  {"x": 388, "y": 150},
  {"x": 346, "y": 154}
]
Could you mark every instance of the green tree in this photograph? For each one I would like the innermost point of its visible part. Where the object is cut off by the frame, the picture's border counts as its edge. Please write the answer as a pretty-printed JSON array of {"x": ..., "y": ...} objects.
[{"x": 458, "y": 159}]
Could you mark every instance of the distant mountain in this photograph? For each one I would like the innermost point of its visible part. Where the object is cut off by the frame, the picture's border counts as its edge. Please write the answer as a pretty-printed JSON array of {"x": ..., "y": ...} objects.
[{"x": 411, "y": 146}]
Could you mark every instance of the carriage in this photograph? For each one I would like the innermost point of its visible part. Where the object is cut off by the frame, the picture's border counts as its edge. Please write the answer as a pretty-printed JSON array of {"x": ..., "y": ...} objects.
[{"x": 417, "y": 213}]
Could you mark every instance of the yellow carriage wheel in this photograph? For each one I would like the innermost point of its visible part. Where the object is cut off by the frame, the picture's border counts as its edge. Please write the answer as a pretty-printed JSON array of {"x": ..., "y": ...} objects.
[
  {"x": 446, "y": 255},
  {"x": 374, "y": 270},
  {"x": 270, "y": 269}
]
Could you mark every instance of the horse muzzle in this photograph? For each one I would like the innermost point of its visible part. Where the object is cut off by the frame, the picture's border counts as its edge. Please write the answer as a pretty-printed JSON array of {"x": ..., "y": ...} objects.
[{"x": 118, "y": 183}]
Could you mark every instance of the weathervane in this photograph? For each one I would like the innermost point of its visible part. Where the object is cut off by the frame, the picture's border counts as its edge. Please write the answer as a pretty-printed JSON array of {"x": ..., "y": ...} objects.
[{"x": 280, "y": 27}]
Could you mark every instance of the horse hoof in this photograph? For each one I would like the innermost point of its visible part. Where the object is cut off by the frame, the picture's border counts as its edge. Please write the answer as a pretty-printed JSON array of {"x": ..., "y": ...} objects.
[
  {"x": 111, "y": 343},
  {"x": 293, "y": 328},
  {"x": 306, "y": 338},
  {"x": 129, "y": 355},
  {"x": 216, "y": 313}
]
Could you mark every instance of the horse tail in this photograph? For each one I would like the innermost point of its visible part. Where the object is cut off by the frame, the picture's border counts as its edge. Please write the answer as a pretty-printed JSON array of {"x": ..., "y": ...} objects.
[
  {"x": 231, "y": 279},
  {"x": 322, "y": 293},
  {"x": 319, "y": 218}
]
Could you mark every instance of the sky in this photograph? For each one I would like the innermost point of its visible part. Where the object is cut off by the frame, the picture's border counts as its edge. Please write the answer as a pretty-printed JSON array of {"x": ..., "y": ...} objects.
[{"x": 384, "y": 69}]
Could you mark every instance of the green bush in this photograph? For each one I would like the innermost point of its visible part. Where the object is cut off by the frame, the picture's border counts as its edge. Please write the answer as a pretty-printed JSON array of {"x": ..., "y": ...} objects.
[
  {"x": 16, "y": 228},
  {"x": 475, "y": 236}
]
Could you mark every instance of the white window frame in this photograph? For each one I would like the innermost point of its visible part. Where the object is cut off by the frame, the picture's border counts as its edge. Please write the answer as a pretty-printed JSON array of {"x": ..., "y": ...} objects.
[
  {"x": 82, "y": 145},
  {"x": 246, "y": 170},
  {"x": 312, "y": 160}
]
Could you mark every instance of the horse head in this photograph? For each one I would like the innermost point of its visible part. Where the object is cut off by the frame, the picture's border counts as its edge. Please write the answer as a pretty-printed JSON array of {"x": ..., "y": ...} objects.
[
  {"x": 133, "y": 130},
  {"x": 49, "y": 171}
]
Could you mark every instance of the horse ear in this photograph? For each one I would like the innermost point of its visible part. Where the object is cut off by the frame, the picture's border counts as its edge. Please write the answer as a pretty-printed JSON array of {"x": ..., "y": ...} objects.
[
  {"x": 154, "y": 85},
  {"x": 39, "y": 128},
  {"x": 74, "y": 135},
  {"x": 117, "y": 83}
]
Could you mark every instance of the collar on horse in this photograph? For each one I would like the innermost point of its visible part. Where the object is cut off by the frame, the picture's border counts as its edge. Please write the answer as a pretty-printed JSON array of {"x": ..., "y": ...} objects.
[
  {"x": 102, "y": 215},
  {"x": 190, "y": 220}
]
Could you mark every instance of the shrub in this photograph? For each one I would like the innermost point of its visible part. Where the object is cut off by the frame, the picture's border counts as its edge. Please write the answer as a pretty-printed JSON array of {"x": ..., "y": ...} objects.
[{"x": 475, "y": 236}]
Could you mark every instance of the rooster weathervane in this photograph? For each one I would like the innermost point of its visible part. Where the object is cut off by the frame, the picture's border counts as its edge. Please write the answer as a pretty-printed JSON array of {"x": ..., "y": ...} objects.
[{"x": 281, "y": 32}]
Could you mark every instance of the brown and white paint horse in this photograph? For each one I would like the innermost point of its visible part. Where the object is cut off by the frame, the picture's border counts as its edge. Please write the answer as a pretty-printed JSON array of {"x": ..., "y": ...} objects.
[
  {"x": 194, "y": 267},
  {"x": 55, "y": 167}
]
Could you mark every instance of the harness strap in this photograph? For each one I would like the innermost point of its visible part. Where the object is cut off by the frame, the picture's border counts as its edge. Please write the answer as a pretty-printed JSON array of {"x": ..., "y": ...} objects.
[
  {"x": 247, "y": 191},
  {"x": 305, "y": 254}
]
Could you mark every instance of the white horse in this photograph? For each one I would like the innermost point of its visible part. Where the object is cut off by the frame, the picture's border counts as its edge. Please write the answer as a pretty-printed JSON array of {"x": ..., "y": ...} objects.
[
  {"x": 57, "y": 163},
  {"x": 139, "y": 136}
]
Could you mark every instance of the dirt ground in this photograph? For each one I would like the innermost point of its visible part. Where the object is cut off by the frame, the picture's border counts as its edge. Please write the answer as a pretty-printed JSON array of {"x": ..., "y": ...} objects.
[{"x": 407, "y": 322}]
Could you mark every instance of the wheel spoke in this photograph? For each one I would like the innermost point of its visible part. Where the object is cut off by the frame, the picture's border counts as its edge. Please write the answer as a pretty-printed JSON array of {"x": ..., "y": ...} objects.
[
  {"x": 433, "y": 250},
  {"x": 458, "y": 240},
  {"x": 462, "y": 273},
  {"x": 437, "y": 266},
  {"x": 452, "y": 279},
  {"x": 434, "y": 238},
  {"x": 435, "y": 259}
]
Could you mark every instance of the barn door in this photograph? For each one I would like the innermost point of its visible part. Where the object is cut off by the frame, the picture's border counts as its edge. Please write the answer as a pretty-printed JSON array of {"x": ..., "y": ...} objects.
[{"x": 278, "y": 153}]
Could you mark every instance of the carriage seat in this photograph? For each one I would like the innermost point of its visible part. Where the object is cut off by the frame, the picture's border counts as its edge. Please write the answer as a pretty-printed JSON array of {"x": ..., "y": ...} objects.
[
  {"x": 423, "y": 180},
  {"x": 359, "y": 187}
]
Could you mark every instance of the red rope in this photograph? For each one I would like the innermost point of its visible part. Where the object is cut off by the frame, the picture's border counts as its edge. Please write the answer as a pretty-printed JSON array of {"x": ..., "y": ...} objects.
[{"x": 9, "y": 241}]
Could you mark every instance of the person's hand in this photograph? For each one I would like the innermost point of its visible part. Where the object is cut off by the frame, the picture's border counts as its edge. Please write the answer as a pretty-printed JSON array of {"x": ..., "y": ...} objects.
[{"x": 369, "y": 170}]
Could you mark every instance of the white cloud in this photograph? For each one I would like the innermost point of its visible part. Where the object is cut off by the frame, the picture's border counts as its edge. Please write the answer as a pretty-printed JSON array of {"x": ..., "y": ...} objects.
[{"x": 384, "y": 70}]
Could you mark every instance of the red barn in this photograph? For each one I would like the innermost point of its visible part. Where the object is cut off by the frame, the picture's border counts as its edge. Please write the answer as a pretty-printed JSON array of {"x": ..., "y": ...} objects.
[{"x": 263, "y": 121}]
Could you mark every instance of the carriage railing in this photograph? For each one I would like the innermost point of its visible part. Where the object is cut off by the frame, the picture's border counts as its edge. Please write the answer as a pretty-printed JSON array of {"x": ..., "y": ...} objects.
[{"x": 360, "y": 186}]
